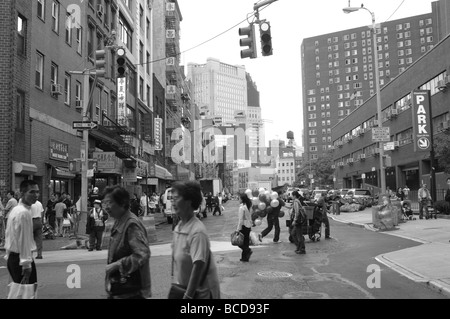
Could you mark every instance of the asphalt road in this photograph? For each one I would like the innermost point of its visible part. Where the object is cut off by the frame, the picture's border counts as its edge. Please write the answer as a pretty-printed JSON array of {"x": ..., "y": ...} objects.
[{"x": 340, "y": 268}]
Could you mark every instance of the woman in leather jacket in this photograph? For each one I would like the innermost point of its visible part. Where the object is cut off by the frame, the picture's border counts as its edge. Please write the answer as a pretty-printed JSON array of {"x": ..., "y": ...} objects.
[{"x": 128, "y": 263}]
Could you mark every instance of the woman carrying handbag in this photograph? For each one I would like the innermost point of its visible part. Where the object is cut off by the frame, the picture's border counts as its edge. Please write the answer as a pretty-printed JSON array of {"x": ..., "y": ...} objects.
[
  {"x": 245, "y": 226},
  {"x": 195, "y": 270}
]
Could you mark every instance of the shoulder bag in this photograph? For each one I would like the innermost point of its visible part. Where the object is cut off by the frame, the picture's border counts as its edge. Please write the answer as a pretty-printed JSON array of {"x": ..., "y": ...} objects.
[{"x": 178, "y": 291}]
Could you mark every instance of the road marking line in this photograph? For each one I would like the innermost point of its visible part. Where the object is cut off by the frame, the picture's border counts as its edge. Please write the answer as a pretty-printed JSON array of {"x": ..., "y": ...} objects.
[{"x": 2, "y": 267}]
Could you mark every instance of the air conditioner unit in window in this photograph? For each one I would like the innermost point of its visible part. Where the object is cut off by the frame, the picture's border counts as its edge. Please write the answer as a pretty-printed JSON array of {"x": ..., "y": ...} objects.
[
  {"x": 394, "y": 112},
  {"x": 446, "y": 125},
  {"x": 79, "y": 104},
  {"x": 341, "y": 164},
  {"x": 100, "y": 10},
  {"x": 441, "y": 86},
  {"x": 333, "y": 166},
  {"x": 396, "y": 144},
  {"x": 376, "y": 152},
  {"x": 351, "y": 160},
  {"x": 362, "y": 157},
  {"x": 56, "y": 89}
]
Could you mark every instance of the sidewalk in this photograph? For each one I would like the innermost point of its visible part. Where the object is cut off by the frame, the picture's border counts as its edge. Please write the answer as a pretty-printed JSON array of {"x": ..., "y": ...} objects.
[{"x": 428, "y": 263}]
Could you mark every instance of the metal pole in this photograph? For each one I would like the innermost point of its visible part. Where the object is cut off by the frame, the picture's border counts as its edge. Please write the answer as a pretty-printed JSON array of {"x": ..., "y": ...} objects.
[
  {"x": 377, "y": 86},
  {"x": 85, "y": 145}
]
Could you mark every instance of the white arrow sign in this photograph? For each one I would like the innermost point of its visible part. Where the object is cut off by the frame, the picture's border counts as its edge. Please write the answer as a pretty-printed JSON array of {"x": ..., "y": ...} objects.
[
  {"x": 423, "y": 143},
  {"x": 80, "y": 125}
]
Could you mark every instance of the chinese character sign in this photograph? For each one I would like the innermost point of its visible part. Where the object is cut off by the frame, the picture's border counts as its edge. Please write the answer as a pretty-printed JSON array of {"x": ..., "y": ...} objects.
[
  {"x": 59, "y": 151},
  {"x": 158, "y": 134},
  {"x": 121, "y": 102}
]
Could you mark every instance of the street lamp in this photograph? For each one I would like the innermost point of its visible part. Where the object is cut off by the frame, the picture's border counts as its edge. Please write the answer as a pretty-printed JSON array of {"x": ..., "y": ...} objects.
[{"x": 377, "y": 86}]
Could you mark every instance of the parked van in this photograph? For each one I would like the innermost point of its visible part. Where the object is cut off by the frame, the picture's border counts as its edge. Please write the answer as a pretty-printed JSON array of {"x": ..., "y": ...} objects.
[{"x": 167, "y": 201}]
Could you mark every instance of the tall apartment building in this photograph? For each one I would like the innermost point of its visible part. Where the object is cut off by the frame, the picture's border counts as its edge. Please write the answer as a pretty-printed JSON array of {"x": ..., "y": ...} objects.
[
  {"x": 218, "y": 88},
  {"x": 338, "y": 72}
]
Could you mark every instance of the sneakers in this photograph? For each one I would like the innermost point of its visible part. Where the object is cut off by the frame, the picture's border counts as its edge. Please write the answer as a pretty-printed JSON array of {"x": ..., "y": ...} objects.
[
  {"x": 300, "y": 252},
  {"x": 328, "y": 237}
]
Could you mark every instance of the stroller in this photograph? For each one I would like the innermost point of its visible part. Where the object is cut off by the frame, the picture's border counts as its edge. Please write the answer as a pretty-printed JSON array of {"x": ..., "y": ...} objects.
[
  {"x": 407, "y": 212},
  {"x": 430, "y": 211},
  {"x": 48, "y": 231}
]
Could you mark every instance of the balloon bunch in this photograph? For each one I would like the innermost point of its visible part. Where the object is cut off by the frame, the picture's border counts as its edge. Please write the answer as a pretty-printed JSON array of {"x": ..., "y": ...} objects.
[{"x": 263, "y": 204}]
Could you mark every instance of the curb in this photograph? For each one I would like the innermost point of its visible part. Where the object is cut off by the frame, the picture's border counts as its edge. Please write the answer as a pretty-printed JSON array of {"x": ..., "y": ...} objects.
[{"x": 433, "y": 284}]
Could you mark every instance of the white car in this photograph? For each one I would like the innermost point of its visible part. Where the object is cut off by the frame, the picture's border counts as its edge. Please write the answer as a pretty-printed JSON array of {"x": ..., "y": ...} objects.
[{"x": 167, "y": 201}]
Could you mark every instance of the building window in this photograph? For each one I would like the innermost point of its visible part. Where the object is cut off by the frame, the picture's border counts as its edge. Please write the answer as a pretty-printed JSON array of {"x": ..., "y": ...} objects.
[
  {"x": 125, "y": 33},
  {"x": 39, "y": 70},
  {"x": 79, "y": 38},
  {"x": 21, "y": 35},
  {"x": 55, "y": 16},
  {"x": 67, "y": 84},
  {"x": 41, "y": 9},
  {"x": 141, "y": 17},
  {"x": 69, "y": 29},
  {"x": 20, "y": 115},
  {"x": 141, "y": 88},
  {"x": 78, "y": 91},
  {"x": 54, "y": 74},
  {"x": 90, "y": 42},
  {"x": 148, "y": 29}
]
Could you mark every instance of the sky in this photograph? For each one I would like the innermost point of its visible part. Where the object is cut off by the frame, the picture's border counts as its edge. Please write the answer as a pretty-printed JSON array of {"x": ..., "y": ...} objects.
[{"x": 278, "y": 77}]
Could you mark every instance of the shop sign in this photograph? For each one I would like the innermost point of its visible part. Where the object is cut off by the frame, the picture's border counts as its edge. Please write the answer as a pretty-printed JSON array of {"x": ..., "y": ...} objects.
[
  {"x": 141, "y": 168},
  {"x": 129, "y": 175},
  {"x": 105, "y": 160},
  {"x": 158, "y": 134},
  {"x": 121, "y": 102},
  {"x": 59, "y": 151}
]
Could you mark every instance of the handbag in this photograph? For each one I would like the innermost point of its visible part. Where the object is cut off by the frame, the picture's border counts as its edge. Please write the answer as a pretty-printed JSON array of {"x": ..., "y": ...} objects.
[
  {"x": 177, "y": 291},
  {"x": 22, "y": 290},
  {"x": 237, "y": 238}
]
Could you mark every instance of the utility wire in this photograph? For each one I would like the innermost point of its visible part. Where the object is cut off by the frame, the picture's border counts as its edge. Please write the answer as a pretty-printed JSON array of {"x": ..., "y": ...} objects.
[
  {"x": 204, "y": 42},
  {"x": 395, "y": 11}
]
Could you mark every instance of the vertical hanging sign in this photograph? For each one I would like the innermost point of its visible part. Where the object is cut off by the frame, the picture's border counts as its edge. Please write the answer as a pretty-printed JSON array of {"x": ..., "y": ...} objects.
[
  {"x": 158, "y": 134},
  {"x": 121, "y": 102},
  {"x": 421, "y": 120}
]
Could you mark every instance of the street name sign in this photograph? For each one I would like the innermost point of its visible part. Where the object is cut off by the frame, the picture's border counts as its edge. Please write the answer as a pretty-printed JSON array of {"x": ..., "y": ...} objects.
[
  {"x": 421, "y": 116},
  {"x": 84, "y": 125},
  {"x": 381, "y": 134}
]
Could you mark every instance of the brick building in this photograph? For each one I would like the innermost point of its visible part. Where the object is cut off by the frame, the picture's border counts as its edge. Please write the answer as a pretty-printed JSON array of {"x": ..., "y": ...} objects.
[
  {"x": 356, "y": 154},
  {"x": 15, "y": 33}
]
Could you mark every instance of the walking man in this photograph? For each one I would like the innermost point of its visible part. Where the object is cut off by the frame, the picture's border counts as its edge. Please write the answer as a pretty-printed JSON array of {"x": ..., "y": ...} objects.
[
  {"x": 144, "y": 203},
  {"x": 273, "y": 220},
  {"x": 323, "y": 207},
  {"x": 37, "y": 213},
  {"x": 19, "y": 236},
  {"x": 298, "y": 220},
  {"x": 95, "y": 225},
  {"x": 424, "y": 197}
]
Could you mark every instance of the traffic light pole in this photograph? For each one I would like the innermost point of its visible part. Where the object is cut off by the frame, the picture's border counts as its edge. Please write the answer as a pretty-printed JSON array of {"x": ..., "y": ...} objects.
[{"x": 85, "y": 145}]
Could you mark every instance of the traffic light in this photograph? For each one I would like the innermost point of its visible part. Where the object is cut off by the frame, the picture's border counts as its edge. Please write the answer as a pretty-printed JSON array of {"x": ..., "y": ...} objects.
[
  {"x": 248, "y": 41},
  {"x": 121, "y": 62},
  {"x": 102, "y": 65},
  {"x": 266, "y": 38}
]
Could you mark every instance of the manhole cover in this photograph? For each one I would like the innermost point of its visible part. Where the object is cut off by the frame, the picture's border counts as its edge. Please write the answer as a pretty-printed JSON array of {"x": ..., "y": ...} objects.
[{"x": 274, "y": 274}]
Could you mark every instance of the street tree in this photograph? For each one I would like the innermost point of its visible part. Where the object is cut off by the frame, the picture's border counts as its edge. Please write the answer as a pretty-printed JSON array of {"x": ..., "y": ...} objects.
[
  {"x": 320, "y": 169},
  {"x": 442, "y": 150}
]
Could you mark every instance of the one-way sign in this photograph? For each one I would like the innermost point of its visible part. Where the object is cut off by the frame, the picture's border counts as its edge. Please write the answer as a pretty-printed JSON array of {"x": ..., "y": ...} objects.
[{"x": 84, "y": 125}]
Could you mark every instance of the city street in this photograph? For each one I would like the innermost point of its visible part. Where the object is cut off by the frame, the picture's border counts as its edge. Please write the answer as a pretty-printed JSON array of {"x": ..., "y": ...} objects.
[{"x": 332, "y": 269}]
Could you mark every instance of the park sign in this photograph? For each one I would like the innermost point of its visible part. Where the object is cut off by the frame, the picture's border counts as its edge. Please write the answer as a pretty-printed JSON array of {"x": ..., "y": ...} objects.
[{"x": 421, "y": 116}]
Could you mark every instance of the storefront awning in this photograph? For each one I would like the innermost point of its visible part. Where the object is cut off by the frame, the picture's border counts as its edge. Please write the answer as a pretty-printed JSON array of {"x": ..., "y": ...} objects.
[
  {"x": 61, "y": 172},
  {"x": 162, "y": 173},
  {"x": 24, "y": 168}
]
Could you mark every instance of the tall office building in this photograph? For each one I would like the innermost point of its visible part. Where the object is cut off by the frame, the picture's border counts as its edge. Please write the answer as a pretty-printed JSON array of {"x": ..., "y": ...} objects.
[
  {"x": 219, "y": 89},
  {"x": 338, "y": 72},
  {"x": 255, "y": 124}
]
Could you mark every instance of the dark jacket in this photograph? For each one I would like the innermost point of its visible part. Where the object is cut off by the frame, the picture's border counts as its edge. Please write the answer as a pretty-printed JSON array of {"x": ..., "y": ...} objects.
[
  {"x": 129, "y": 246},
  {"x": 135, "y": 206},
  {"x": 90, "y": 223},
  {"x": 447, "y": 196}
]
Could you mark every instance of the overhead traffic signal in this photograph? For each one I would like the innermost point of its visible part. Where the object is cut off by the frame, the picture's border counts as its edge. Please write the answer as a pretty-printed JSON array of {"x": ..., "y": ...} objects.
[
  {"x": 102, "y": 65},
  {"x": 266, "y": 38},
  {"x": 121, "y": 62},
  {"x": 249, "y": 42}
]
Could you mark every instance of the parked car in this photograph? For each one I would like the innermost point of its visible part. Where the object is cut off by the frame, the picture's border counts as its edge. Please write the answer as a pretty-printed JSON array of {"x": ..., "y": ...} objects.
[
  {"x": 363, "y": 196},
  {"x": 317, "y": 193}
]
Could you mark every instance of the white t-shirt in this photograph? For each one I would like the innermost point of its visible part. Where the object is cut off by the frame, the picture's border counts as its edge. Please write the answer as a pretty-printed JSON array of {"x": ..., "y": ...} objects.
[{"x": 37, "y": 209}]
